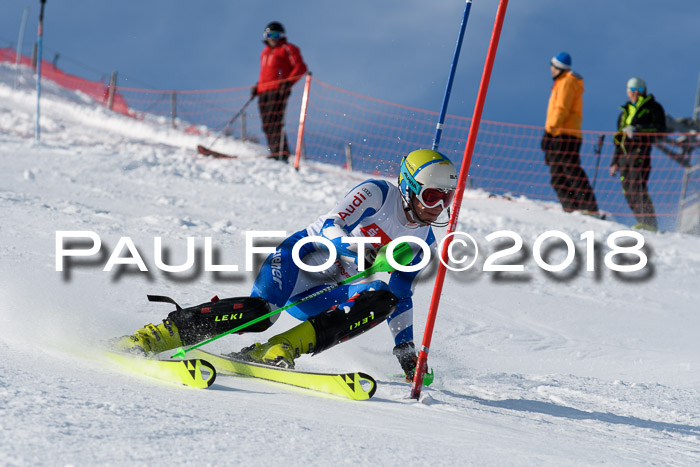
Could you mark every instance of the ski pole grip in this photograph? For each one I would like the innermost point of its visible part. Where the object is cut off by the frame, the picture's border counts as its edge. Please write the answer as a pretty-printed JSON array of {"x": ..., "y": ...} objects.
[{"x": 402, "y": 254}]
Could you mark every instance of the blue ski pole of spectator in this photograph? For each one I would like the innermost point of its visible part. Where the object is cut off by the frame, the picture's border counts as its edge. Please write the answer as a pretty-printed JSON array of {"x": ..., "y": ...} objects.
[
  {"x": 453, "y": 67},
  {"x": 38, "y": 67}
]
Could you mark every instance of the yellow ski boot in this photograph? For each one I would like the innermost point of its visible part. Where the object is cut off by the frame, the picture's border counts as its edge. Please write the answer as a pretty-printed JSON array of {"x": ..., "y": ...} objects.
[
  {"x": 150, "y": 339},
  {"x": 282, "y": 349},
  {"x": 643, "y": 226}
]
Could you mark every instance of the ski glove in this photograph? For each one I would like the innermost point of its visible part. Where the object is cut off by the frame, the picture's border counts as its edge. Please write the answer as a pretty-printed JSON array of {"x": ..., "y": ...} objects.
[
  {"x": 254, "y": 91},
  {"x": 370, "y": 256},
  {"x": 628, "y": 131},
  {"x": 406, "y": 354},
  {"x": 348, "y": 252}
]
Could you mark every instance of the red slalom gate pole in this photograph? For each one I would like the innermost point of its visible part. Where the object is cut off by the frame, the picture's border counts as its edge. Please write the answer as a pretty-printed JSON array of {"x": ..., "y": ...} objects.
[{"x": 422, "y": 365}]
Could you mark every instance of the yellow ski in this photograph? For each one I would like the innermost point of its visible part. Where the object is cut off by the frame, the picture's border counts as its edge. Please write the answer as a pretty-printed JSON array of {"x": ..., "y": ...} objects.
[
  {"x": 355, "y": 386},
  {"x": 196, "y": 373}
]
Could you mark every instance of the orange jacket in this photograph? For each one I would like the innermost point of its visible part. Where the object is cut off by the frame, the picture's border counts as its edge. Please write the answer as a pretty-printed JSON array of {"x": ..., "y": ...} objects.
[
  {"x": 280, "y": 62},
  {"x": 565, "y": 108}
]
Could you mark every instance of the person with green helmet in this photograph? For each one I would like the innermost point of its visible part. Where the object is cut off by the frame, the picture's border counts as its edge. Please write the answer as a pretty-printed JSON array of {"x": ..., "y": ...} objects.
[
  {"x": 375, "y": 208},
  {"x": 638, "y": 126}
]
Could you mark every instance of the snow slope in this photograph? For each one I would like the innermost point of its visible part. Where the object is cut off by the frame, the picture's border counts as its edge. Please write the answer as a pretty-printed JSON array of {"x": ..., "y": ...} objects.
[{"x": 589, "y": 368}]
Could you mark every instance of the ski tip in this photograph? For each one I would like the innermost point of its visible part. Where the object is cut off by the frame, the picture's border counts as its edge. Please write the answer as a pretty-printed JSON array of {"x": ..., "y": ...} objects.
[
  {"x": 368, "y": 385},
  {"x": 180, "y": 353},
  {"x": 215, "y": 154},
  {"x": 207, "y": 372}
]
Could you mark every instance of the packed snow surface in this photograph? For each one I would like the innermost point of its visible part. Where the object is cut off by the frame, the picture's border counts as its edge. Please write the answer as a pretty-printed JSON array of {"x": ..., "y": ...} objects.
[{"x": 532, "y": 368}]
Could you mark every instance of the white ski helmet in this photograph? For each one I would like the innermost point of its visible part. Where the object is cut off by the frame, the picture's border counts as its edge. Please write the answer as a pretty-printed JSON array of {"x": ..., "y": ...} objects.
[
  {"x": 637, "y": 84},
  {"x": 430, "y": 176}
]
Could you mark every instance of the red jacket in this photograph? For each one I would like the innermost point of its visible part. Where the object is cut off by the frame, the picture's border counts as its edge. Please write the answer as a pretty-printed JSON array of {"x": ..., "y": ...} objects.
[{"x": 279, "y": 63}]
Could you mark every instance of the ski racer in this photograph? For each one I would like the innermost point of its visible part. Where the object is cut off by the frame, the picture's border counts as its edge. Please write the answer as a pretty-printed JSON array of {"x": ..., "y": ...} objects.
[{"x": 374, "y": 208}]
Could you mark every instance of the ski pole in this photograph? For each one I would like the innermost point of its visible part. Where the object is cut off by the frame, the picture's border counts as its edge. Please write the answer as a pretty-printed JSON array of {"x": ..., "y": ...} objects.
[
  {"x": 403, "y": 254},
  {"x": 597, "y": 149},
  {"x": 422, "y": 363},
  {"x": 233, "y": 119},
  {"x": 39, "y": 41},
  {"x": 450, "y": 79}
]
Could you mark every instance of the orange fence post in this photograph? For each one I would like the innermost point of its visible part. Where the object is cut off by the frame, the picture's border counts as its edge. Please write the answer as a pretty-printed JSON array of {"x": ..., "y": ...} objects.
[
  {"x": 302, "y": 120},
  {"x": 111, "y": 90}
]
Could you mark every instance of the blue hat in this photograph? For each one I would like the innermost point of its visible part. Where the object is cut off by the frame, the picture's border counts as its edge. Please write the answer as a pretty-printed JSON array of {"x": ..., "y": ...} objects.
[{"x": 562, "y": 61}]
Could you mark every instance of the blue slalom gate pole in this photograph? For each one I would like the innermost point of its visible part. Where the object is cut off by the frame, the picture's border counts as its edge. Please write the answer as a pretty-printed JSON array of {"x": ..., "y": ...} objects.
[
  {"x": 38, "y": 68},
  {"x": 450, "y": 80}
]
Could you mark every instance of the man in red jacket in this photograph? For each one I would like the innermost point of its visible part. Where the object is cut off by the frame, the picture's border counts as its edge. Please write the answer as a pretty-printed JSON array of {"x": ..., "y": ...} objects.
[{"x": 281, "y": 66}]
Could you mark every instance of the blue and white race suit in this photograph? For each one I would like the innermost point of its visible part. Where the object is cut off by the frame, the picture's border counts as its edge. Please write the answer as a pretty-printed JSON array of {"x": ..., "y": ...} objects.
[{"x": 373, "y": 208}]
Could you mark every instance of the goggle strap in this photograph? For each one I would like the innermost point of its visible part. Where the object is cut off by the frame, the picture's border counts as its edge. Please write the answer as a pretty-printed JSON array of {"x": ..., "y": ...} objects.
[{"x": 413, "y": 185}]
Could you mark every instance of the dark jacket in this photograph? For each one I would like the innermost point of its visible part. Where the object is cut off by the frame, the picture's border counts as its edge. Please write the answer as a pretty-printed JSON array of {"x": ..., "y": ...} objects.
[{"x": 648, "y": 118}]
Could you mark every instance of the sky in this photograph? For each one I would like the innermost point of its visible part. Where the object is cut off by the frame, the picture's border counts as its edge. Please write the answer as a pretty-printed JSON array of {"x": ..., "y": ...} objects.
[{"x": 399, "y": 51}]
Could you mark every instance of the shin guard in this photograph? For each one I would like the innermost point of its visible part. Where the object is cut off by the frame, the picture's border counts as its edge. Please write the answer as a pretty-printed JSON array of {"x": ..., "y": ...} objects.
[
  {"x": 210, "y": 319},
  {"x": 347, "y": 320}
]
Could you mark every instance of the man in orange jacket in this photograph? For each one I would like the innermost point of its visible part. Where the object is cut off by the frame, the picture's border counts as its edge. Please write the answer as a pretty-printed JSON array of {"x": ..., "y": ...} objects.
[
  {"x": 562, "y": 139},
  {"x": 281, "y": 66}
]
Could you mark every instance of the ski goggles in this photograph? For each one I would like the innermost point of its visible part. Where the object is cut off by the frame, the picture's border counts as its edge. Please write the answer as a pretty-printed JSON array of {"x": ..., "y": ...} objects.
[
  {"x": 272, "y": 35},
  {"x": 431, "y": 197},
  {"x": 636, "y": 89}
]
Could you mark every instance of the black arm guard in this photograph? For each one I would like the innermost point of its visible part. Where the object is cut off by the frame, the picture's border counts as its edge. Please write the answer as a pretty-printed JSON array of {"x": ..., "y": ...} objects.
[{"x": 210, "y": 319}]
